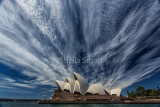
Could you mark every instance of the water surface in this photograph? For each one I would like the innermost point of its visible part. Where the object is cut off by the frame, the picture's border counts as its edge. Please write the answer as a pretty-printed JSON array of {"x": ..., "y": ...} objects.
[{"x": 34, "y": 104}]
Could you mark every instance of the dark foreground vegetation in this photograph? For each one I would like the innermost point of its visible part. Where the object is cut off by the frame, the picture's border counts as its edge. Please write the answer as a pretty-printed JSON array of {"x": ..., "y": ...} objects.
[{"x": 142, "y": 92}]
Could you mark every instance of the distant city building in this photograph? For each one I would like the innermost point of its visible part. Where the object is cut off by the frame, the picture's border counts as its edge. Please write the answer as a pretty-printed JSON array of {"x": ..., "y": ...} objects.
[{"x": 78, "y": 89}]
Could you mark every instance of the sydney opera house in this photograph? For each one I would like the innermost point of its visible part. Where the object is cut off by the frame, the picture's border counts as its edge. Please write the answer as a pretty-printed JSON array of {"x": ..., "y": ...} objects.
[{"x": 78, "y": 89}]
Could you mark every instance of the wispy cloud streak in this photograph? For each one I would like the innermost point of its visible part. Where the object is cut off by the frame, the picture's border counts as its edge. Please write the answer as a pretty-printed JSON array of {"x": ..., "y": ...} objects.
[{"x": 34, "y": 35}]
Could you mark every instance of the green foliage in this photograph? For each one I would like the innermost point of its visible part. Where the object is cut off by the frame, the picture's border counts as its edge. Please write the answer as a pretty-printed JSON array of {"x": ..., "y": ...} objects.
[
  {"x": 132, "y": 94},
  {"x": 158, "y": 89},
  {"x": 127, "y": 92},
  {"x": 141, "y": 92}
]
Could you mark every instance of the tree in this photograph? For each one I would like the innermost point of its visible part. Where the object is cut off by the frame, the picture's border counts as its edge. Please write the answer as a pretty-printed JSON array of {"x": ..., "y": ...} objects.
[
  {"x": 148, "y": 92},
  {"x": 128, "y": 93},
  {"x": 154, "y": 93},
  {"x": 140, "y": 91},
  {"x": 158, "y": 90},
  {"x": 132, "y": 94}
]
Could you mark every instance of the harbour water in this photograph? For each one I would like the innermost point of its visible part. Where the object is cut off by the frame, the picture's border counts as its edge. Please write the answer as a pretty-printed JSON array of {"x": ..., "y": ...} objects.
[{"x": 34, "y": 104}]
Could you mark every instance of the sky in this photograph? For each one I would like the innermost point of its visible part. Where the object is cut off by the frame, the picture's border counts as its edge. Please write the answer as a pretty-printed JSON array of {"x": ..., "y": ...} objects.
[
  {"x": 115, "y": 43},
  {"x": 15, "y": 86}
]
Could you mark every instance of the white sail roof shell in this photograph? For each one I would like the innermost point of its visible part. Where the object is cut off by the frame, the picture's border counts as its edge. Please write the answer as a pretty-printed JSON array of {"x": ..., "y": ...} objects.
[
  {"x": 82, "y": 82},
  {"x": 108, "y": 91},
  {"x": 67, "y": 87},
  {"x": 61, "y": 84},
  {"x": 72, "y": 83},
  {"x": 81, "y": 85},
  {"x": 95, "y": 89},
  {"x": 90, "y": 90},
  {"x": 77, "y": 87},
  {"x": 116, "y": 91}
]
